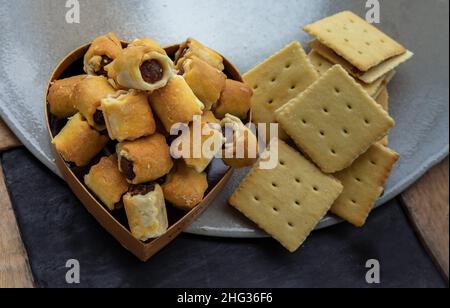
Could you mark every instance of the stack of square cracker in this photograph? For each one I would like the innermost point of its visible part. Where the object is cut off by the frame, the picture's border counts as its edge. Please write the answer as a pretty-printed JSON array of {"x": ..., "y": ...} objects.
[
  {"x": 359, "y": 47},
  {"x": 334, "y": 108},
  {"x": 365, "y": 52}
]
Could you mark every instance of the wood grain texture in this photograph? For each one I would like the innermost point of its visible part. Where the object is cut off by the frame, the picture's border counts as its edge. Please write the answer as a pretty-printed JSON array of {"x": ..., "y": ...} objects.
[
  {"x": 14, "y": 268},
  {"x": 7, "y": 138},
  {"x": 427, "y": 205}
]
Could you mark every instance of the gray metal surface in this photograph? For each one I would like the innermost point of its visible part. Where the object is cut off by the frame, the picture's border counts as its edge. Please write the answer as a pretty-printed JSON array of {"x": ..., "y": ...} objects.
[{"x": 35, "y": 36}]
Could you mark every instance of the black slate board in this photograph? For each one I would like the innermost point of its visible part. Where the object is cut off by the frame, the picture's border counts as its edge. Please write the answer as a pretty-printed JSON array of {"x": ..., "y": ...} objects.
[{"x": 55, "y": 227}]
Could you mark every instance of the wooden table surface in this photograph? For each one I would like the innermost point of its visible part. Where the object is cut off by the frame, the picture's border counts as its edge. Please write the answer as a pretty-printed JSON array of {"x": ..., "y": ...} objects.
[
  {"x": 426, "y": 202},
  {"x": 14, "y": 267},
  {"x": 427, "y": 206}
]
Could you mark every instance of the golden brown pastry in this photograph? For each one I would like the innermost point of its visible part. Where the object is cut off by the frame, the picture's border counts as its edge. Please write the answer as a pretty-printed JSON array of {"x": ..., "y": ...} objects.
[
  {"x": 209, "y": 141},
  {"x": 185, "y": 187},
  {"x": 107, "y": 182},
  {"x": 128, "y": 115},
  {"x": 209, "y": 117},
  {"x": 87, "y": 96},
  {"x": 146, "y": 211},
  {"x": 235, "y": 99},
  {"x": 144, "y": 160},
  {"x": 192, "y": 48},
  {"x": 60, "y": 97},
  {"x": 78, "y": 143},
  {"x": 141, "y": 66},
  {"x": 102, "y": 52},
  {"x": 149, "y": 43},
  {"x": 175, "y": 103},
  {"x": 205, "y": 81},
  {"x": 242, "y": 150}
]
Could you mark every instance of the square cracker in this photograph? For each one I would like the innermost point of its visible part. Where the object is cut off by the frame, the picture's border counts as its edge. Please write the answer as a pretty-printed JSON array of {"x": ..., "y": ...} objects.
[
  {"x": 288, "y": 201},
  {"x": 355, "y": 40},
  {"x": 363, "y": 184},
  {"x": 383, "y": 101},
  {"x": 375, "y": 73},
  {"x": 334, "y": 121},
  {"x": 322, "y": 65},
  {"x": 277, "y": 80}
]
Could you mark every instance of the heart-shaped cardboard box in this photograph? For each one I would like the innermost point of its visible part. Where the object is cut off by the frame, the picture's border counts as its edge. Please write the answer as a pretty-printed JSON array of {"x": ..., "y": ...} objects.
[{"x": 72, "y": 65}]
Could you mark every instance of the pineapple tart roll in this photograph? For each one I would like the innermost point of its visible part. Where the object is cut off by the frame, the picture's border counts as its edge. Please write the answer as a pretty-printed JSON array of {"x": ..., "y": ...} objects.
[
  {"x": 78, "y": 143},
  {"x": 198, "y": 155},
  {"x": 192, "y": 48},
  {"x": 175, "y": 103},
  {"x": 185, "y": 188},
  {"x": 102, "y": 52},
  {"x": 205, "y": 81},
  {"x": 235, "y": 99},
  {"x": 60, "y": 97},
  {"x": 88, "y": 95},
  {"x": 107, "y": 182},
  {"x": 146, "y": 212},
  {"x": 128, "y": 115},
  {"x": 142, "y": 66},
  {"x": 144, "y": 160}
]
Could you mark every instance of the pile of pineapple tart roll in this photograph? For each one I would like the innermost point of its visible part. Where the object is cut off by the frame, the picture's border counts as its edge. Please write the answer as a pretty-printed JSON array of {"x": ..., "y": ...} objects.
[{"x": 131, "y": 97}]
